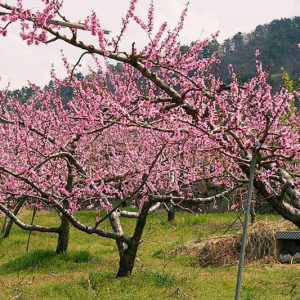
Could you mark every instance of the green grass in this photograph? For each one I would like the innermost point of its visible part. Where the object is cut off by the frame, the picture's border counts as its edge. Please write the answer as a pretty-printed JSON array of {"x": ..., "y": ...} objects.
[
  {"x": 87, "y": 271},
  {"x": 45, "y": 259}
]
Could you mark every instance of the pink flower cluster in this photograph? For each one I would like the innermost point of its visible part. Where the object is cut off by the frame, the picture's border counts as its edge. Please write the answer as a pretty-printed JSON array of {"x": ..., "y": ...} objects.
[{"x": 157, "y": 123}]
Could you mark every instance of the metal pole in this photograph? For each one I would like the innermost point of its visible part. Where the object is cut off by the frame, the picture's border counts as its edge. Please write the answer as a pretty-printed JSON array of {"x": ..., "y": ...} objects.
[
  {"x": 29, "y": 236},
  {"x": 246, "y": 221}
]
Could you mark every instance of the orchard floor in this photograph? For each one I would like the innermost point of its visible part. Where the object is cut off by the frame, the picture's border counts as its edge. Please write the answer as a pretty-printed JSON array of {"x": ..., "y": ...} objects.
[{"x": 87, "y": 271}]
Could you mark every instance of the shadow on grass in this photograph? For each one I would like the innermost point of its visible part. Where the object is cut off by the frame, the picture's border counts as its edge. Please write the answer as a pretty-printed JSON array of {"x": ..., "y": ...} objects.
[{"x": 43, "y": 259}]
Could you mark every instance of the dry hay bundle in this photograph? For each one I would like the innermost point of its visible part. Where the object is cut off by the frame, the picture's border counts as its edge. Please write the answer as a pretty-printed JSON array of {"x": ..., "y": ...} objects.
[
  {"x": 224, "y": 250},
  {"x": 218, "y": 252}
]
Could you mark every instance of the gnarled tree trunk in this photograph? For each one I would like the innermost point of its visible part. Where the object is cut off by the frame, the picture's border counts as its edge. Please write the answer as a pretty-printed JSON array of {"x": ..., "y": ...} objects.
[
  {"x": 63, "y": 235},
  {"x": 128, "y": 255}
]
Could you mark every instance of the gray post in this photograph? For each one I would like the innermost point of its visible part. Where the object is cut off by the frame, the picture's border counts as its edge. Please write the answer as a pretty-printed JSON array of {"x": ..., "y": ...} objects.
[{"x": 245, "y": 226}]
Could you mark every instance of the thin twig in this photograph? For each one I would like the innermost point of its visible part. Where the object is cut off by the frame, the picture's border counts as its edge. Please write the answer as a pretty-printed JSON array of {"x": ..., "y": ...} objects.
[{"x": 78, "y": 62}]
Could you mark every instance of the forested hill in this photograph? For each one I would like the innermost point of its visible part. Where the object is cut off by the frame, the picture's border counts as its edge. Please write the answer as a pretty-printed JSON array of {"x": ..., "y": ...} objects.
[{"x": 277, "y": 42}]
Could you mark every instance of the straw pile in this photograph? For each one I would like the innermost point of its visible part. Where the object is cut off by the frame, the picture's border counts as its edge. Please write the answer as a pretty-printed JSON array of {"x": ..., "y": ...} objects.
[{"x": 224, "y": 250}]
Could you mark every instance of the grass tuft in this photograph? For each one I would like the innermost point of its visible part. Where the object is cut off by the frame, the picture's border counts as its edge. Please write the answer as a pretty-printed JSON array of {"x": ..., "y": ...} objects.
[{"x": 160, "y": 279}]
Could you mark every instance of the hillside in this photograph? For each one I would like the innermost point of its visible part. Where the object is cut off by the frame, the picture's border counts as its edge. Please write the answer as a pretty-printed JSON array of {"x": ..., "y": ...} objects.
[{"x": 277, "y": 42}]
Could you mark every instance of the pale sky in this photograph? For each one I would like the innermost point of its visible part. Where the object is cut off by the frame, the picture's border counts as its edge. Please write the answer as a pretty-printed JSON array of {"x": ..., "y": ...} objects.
[{"x": 19, "y": 62}]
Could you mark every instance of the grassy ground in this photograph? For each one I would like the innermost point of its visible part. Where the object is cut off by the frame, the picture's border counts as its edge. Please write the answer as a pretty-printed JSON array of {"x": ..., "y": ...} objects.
[{"x": 87, "y": 271}]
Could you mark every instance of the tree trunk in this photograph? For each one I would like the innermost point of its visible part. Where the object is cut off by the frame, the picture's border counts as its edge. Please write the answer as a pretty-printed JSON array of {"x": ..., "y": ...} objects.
[
  {"x": 171, "y": 213},
  {"x": 64, "y": 229},
  {"x": 8, "y": 222},
  {"x": 115, "y": 223},
  {"x": 170, "y": 208},
  {"x": 127, "y": 258},
  {"x": 63, "y": 235},
  {"x": 288, "y": 211}
]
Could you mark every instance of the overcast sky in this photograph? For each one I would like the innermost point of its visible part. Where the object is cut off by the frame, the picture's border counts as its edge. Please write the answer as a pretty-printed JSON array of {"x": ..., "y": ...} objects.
[{"x": 19, "y": 63}]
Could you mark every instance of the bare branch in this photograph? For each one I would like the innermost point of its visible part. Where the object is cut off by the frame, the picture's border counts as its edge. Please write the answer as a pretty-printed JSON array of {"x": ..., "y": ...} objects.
[
  {"x": 24, "y": 226},
  {"x": 72, "y": 25},
  {"x": 135, "y": 214},
  {"x": 176, "y": 199}
]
